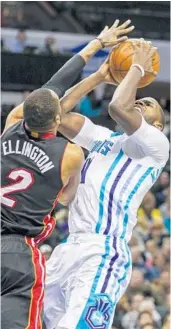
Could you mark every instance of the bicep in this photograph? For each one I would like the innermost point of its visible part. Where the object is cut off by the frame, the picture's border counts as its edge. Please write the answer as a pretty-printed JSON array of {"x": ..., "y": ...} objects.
[
  {"x": 152, "y": 142},
  {"x": 71, "y": 124},
  {"x": 82, "y": 131}
]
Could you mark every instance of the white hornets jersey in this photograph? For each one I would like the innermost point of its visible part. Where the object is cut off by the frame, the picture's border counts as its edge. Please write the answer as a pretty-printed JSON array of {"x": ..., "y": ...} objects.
[{"x": 117, "y": 174}]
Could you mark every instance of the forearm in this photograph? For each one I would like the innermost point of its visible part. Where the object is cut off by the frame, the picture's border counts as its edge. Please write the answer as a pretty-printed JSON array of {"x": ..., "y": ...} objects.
[
  {"x": 125, "y": 94},
  {"x": 122, "y": 108},
  {"x": 60, "y": 82},
  {"x": 68, "y": 74},
  {"x": 74, "y": 95},
  {"x": 72, "y": 123},
  {"x": 87, "y": 52},
  {"x": 65, "y": 77}
]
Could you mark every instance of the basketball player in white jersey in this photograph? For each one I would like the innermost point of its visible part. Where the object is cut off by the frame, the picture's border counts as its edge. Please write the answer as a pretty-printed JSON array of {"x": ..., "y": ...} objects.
[{"x": 88, "y": 274}]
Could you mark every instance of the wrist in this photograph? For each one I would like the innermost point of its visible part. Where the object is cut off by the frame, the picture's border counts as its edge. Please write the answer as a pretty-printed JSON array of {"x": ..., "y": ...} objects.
[
  {"x": 101, "y": 42},
  {"x": 92, "y": 48},
  {"x": 100, "y": 76},
  {"x": 140, "y": 68},
  {"x": 96, "y": 43},
  {"x": 137, "y": 73}
]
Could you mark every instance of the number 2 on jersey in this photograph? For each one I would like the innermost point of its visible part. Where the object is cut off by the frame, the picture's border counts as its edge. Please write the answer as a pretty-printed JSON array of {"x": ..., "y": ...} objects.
[{"x": 22, "y": 180}]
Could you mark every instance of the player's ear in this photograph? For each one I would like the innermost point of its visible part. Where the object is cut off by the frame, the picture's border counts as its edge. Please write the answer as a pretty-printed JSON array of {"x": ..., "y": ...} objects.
[
  {"x": 158, "y": 125},
  {"x": 57, "y": 119}
]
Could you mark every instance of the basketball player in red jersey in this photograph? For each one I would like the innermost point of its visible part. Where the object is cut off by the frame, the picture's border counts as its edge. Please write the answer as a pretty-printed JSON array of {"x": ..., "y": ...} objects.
[{"x": 38, "y": 170}]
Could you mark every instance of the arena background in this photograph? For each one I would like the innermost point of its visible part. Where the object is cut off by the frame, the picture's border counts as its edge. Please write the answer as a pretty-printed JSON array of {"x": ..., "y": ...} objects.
[{"x": 37, "y": 38}]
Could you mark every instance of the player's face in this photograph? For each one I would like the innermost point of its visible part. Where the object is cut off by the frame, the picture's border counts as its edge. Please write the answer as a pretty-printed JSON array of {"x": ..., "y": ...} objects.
[{"x": 150, "y": 110}]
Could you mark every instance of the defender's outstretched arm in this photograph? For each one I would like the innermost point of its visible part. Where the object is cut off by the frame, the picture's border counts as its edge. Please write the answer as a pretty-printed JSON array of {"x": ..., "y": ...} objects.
[{"x": 66, "y": 76}]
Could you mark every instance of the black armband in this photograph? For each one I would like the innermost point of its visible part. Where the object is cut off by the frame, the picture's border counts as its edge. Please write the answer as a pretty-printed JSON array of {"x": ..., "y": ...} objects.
[{"x": 66, "y": 76}]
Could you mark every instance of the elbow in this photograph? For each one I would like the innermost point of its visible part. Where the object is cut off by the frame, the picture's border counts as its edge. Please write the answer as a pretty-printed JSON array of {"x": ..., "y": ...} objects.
[{"x": 115, "y": 107}]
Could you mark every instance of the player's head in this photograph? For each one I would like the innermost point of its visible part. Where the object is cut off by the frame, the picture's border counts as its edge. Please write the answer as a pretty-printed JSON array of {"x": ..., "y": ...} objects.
[
  {"x": 151, "y": 111},
  {"x": 42, "y": 111}
]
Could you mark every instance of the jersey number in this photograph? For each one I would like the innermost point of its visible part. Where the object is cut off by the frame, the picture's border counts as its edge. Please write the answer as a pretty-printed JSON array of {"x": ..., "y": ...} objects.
[
  {"x": 85, "y": 168},
  {"x": 22, "y": 180}
]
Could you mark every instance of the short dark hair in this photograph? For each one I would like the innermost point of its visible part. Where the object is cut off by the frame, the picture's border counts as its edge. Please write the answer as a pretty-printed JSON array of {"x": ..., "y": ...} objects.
[{"x": 40, "y": 109}]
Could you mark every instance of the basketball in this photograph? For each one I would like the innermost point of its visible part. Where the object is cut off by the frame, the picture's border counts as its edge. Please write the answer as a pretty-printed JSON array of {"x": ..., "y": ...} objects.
[{"x": 120, "y": 61}]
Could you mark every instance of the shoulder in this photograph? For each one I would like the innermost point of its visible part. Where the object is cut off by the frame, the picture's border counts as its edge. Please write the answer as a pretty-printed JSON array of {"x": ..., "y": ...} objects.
[
  {"x": 157, "y": 133},
  {"x": 152, "y": 142},
  {"x": 160, "y": 142},
  {"x": 150, "y": 134},
  {"x": 164, "y": 139},
  {"x": 12, "y": 128},
  {"x": 165, "y": 142},
  {"x": 16, "y": 115}
]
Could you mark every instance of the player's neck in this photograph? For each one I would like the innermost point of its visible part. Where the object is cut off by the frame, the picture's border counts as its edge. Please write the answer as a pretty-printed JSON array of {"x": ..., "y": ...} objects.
[
  {"x": 51, "y": 133},
  {"x": 37, "y": 134}
]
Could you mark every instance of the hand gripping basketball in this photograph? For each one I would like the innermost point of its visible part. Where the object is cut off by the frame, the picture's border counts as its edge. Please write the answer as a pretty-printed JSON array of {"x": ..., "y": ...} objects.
[
  {"x": 134, "y": 51},
  {"x": 104, "y": 71},
  {"x": 143, "y": 55}
]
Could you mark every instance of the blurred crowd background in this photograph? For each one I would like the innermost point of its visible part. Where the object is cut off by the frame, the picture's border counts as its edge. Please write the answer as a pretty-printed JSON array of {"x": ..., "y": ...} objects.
[{"x": 26, "y": 65}]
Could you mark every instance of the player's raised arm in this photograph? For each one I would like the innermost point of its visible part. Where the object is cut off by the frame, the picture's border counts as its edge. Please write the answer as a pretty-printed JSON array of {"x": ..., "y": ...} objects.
[
  {"x": 72, "y": 123},
  {"x": 143, "y": 120},
  {"x": 65, "y": 77},
  {"x": 109, "y": 37},
  {"x": 122, "y": 107},
  {"x": 73, "y": 96},
  {"x": 77, "y": 127}
]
